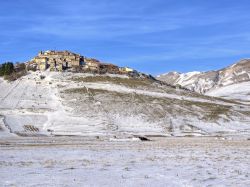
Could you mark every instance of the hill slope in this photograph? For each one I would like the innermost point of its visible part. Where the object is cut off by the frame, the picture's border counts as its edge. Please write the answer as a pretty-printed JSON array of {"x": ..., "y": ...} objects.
[
  {"x": 83, "y": 104},
  {"x": 239, "y": 92}
]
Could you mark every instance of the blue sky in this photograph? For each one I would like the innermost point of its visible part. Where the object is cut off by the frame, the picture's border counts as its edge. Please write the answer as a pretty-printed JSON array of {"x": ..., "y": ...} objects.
[{"x": 153, "y": 36}]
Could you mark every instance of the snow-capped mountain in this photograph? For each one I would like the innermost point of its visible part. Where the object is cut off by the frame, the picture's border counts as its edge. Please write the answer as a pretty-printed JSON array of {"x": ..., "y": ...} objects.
[{"x": 209, "y": 82}]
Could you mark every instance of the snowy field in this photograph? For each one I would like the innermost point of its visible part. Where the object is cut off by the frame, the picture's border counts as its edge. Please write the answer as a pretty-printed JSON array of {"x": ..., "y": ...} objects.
[
  {"x": 82, "y": 130},
  {"x": 79, "y": 161}
]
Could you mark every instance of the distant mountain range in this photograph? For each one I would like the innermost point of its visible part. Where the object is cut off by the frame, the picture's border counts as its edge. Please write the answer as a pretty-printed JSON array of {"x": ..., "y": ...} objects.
[{"x": 214, "y": 82}]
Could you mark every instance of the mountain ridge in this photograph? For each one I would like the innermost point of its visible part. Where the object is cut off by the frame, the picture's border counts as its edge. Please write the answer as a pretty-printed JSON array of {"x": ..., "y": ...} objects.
[{"x": 203, "y": 82}]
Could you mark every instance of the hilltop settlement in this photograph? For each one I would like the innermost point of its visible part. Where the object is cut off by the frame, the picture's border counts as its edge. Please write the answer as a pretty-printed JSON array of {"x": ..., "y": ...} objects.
[{"x": 66, "y": 60}]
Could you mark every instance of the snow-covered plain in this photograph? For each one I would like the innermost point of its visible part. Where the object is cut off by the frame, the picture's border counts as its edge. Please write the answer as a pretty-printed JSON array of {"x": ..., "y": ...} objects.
[
  {"x": 106, "y": 115},
  {"x": 68, "y": 161}
]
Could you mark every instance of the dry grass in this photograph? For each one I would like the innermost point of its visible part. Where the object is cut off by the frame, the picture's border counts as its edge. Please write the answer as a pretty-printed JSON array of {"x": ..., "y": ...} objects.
[
  {"x": 214, "y": 111},
  {"x": 155, "y": 105},
  {"x": 149, "y": 84},
  {"x": 130, "y": 82}
]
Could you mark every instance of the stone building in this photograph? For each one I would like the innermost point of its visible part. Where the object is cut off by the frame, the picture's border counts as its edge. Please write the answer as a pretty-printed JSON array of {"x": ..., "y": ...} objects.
[
  {"x": 126, "y": 70},
  {"x": 57, "y": 60},
  {"x": 91, "y": 64},
  {"x": 62, "y": 60}
]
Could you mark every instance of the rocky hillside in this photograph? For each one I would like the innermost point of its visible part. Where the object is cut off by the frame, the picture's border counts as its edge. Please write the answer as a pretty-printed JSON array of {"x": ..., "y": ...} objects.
[
  {"x": 65, "y": 103},
  {"x": 204, "y": 82}
]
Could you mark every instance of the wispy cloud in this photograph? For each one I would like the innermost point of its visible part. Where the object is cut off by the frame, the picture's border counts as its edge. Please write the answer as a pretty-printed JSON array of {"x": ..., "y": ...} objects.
[
  {"x": 134, "y": 32},
  {"x": 85, "y": 19}
]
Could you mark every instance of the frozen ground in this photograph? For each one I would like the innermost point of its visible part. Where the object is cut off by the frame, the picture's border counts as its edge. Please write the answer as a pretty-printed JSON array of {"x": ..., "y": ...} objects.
[
  {"x": 107, "y": 113},
  {"x": 79, "y": 161}
]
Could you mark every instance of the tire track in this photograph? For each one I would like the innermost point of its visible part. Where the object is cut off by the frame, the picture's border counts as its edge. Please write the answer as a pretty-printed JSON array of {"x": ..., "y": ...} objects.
[{"x": 10, "y": 91}]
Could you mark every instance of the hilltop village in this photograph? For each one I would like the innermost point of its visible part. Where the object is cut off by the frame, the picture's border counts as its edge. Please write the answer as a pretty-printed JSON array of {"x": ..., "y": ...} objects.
[
  {"x": 66, "y": 60},
  {"x": 61, "y": 61}
]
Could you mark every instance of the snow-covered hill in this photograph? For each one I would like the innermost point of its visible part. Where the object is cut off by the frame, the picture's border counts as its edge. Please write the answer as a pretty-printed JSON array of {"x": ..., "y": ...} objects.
[
  {"x": 239, "y": 92},
  {"x": 211, "y": 81},
  {"x": 112, "y": 105}
]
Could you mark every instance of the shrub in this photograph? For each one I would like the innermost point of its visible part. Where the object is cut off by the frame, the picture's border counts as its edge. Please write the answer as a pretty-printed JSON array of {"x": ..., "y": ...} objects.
[
  {"x": 6, "y": 69},
  {"x": 31, "y": 68},
  {"x": 11, "y": 72},
  {"x": 20, "y": 67},
  {"x": 15, "y": 75}
]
